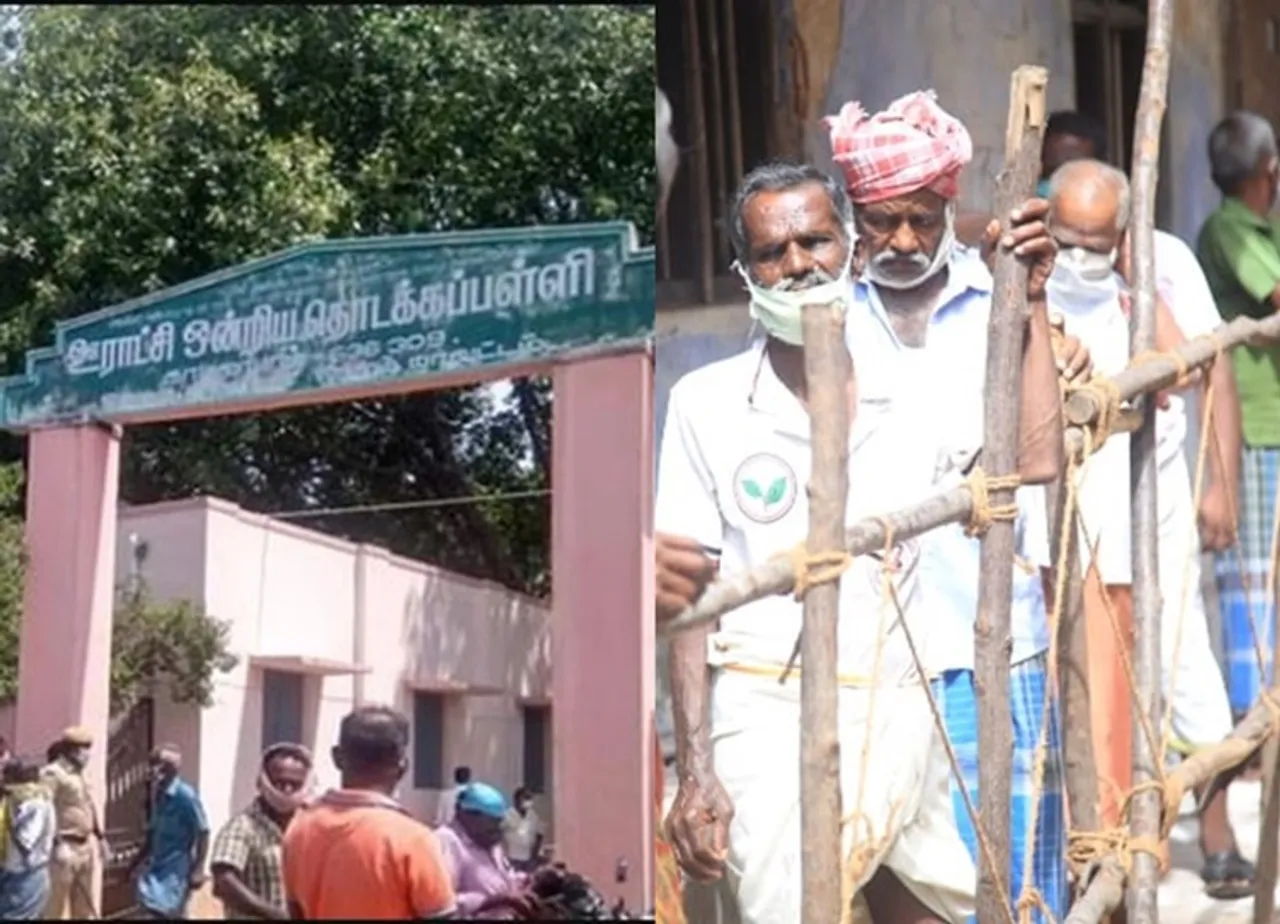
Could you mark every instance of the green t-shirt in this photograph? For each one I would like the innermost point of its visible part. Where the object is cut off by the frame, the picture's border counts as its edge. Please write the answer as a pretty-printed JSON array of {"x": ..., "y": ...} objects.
[{"x": 1240, "y": 255}]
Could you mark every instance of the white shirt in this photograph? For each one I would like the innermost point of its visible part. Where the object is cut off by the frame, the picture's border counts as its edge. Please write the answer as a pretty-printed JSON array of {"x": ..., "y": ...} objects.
[
  {"x": 520, "y": 834},
  {"x": 1182, "y": 285},
  {"x": 735, "y": 458},
  {"x": 951, "y": 370},
  {"x": 31, "y": 833},
  {"x": 1104, "y": 494}
]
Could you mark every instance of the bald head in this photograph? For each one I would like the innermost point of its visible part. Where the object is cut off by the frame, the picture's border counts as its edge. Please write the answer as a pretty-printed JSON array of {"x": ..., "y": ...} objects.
[{"x": 1089, "y": 205}]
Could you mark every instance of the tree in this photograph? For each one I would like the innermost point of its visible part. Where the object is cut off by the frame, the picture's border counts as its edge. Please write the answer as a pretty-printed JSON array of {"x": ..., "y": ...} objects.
[
  {"x": 173, "y": 643},
  {"x": 152, "y": 643},
  {"x": 12, "y": 568},
  {"x": 143, "y": 146}
]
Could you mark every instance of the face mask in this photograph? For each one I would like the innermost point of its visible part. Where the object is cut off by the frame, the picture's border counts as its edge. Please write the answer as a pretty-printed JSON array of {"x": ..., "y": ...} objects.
[
  {"x": 928, "y": 269},
  {"x": 286, "y": 803},
  {"x": 1082, "y": 280},
  {"x": 779, "y": 309}
]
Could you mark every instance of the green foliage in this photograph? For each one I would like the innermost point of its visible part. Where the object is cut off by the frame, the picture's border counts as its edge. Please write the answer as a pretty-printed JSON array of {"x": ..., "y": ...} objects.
[
  {"x": 151, "y": 642},
  {"x": 143, "y": 146},
  {"x": 12, "y": 568},
  {"x": 174, "y": 643}
]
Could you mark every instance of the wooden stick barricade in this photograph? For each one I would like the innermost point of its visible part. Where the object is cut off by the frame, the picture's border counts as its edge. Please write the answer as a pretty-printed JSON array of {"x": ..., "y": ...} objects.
[
  {"x": 956, "y": 505},
  {"x": 1086, "y": 410}
]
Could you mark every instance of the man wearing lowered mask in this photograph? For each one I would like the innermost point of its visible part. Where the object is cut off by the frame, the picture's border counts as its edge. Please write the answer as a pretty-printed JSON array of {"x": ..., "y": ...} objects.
[
  {"x": 248, "y": 874},
  {"x": 730, "y": 483},
  {"x": 925, "y": 303}
]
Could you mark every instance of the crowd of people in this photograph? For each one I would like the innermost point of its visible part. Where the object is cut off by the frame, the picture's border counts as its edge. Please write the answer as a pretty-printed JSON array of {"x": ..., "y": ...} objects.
[
  {"x": 886, "y": 241},
  {"x": 352, "y": 852}
]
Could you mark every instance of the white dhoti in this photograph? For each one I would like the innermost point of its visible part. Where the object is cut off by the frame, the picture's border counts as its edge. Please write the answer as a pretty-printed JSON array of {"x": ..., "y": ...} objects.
[
  {"x": 907, "y": 799},
  {"x": 1201, "y": 714}
]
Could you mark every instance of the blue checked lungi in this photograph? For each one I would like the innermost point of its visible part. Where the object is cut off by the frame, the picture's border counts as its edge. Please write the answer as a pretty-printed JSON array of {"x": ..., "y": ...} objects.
[
  {"x": 1028, "y": 684},
  {"x": 1244, "y": 599}
]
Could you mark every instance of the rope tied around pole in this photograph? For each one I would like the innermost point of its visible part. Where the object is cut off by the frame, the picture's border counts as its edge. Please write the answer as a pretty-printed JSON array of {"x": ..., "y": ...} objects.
[
  {"x": 985, "y": 513},
  {"x": 1031, "y": 900},
  {"x": 1106, "y": 394},
  {"x": 814, "y": 568},
  {"x": 1179, "y": 363}
]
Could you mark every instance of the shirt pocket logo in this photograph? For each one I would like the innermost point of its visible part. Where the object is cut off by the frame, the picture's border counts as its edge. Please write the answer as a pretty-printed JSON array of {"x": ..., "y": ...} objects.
[{"x": 765, "y": 487}]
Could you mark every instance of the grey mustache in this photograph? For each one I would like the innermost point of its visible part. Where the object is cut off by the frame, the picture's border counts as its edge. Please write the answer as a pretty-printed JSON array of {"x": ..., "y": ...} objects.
[
  {"x": 917, "y": 260},
  {"x": 811, "y": 279}
]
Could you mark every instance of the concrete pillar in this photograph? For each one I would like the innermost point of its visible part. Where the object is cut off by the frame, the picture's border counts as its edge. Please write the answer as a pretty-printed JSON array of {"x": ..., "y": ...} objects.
[
  {"x": 64, "y": 666},
  {"x": 602, "y": 620}
]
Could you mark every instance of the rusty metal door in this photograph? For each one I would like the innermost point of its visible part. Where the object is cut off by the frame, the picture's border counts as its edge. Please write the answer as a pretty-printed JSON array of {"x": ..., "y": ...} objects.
[{"x": 128, "y": 807}]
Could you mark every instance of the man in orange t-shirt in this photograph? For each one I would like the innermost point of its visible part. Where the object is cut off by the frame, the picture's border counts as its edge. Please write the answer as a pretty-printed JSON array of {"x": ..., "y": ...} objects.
[{"x": 355, "y": 852}]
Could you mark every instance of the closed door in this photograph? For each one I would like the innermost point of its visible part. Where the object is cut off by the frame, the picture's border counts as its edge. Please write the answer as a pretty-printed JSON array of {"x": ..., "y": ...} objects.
[{"x": 281, "y": 707}]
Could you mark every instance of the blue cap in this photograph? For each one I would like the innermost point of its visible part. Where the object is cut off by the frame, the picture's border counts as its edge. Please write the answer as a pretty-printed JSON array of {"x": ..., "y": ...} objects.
[{"x": 483, "y": 799}]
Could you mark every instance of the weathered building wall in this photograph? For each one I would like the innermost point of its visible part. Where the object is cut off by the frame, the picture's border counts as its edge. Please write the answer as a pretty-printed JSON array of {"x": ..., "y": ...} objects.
[
  {"x": 963, "y": 49},
  {"x": 1255, "y": 56},
  {"x": 1197, "y": 95}
]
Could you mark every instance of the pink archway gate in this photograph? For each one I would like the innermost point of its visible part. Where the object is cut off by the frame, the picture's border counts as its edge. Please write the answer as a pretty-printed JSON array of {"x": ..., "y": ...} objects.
[{"x": 343, "y": 320}]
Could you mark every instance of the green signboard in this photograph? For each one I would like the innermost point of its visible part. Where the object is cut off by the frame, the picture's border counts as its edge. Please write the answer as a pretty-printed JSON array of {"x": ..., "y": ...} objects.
[{"x": 332, "y": 315}]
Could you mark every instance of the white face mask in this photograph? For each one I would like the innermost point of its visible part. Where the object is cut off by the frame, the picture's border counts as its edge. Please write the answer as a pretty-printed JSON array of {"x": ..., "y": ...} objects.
[
  {"x": 1082, "y": 279},
  {"x": 779, "y": 309},
  {"x": 924, "y": 268}
]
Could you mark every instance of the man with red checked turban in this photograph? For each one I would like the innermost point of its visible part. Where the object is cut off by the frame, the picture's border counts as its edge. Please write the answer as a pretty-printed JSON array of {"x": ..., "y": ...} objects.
[{"x": 929, "y": 300}]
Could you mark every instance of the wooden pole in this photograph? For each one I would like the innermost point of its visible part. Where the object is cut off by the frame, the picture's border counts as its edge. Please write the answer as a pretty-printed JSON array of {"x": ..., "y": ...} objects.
[
  {"x": 701, "y": 171},
  {"x": 993, "y": 641},
  {"x": 827, "y": 371},
  {"x": 956, "y": 505},
  {"x": 1080, "y": 773},
  {"x": 1145, "y": 808}
]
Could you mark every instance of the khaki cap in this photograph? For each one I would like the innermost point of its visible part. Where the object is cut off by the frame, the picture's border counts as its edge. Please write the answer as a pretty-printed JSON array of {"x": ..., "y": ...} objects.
[{"x": 79, "y": 735}]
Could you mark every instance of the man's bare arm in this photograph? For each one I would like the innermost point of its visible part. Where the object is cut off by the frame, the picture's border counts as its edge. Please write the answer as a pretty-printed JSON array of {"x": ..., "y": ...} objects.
[
  {"x": 691, "y": 702},
  {"x": 1224, "y": 463},
  {"x": 1040, "y": 446}
]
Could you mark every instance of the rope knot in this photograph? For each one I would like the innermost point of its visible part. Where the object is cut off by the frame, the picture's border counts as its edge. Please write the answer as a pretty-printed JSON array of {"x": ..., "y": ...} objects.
[
  {"x": 1106, "y": 395},
  {"x": 814, "y": 568},
  {"x": 1179, "y": 363},
  {"x": 1030, "y": 901},
  {"x": 984, "y": 513}
]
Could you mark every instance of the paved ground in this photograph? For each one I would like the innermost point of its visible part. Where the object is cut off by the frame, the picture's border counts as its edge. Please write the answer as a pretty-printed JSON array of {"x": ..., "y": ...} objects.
[{"x": 1182, "y": 898}]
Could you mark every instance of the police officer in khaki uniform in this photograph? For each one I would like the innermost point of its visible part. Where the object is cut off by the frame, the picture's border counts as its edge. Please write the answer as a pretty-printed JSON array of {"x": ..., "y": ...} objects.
[{"x": 79, "y": 836}]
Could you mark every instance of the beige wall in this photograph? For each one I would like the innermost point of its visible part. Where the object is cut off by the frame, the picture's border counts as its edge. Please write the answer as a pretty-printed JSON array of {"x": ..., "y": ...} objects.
[{"x": 290, "y": 592}]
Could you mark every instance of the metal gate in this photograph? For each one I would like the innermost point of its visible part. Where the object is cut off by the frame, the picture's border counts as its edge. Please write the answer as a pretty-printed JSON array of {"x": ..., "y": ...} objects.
[{"x": 128, "y": 807}]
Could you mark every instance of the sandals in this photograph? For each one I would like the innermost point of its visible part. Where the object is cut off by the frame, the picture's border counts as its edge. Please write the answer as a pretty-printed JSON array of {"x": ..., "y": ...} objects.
[{"x": 1227, "y": 876}]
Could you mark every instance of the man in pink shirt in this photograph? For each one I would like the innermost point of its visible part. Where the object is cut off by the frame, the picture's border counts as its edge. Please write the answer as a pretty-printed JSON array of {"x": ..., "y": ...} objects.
[{"x": 483, "y": 878}]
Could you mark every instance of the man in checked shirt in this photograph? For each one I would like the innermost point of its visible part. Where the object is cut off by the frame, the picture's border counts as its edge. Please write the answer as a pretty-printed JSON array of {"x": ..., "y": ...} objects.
[{"x": 248, "y": 877}]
